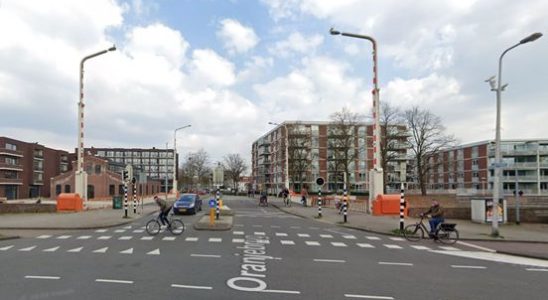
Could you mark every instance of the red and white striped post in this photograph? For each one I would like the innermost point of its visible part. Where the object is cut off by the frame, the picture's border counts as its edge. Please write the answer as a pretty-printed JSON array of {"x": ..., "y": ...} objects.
[{"x": 402, "y": 207}]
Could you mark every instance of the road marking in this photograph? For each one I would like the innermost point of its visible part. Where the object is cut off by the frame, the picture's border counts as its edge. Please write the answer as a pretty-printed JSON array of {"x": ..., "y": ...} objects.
[
  {"x": 330, "y": 260},
  {"x": 191, "y": 239},
  {"x": 349, "y": 237},
  {"x": 391, "y": 246},
  {"x": 238, "y": 233},
  {"x": 313, "y": 228},
  {"x": 125, "y": 238},
  {"x": 238, "y": 240},
  {"x": 281, "y": 234},
  {"x": 215, "y": 240},
  {"x": 154, "y": 252},
  {"x": 168, "y": 238},
  {"x": 51, "y": 249},
  {"x": 63, "y": 237},
  {"x": 127, "y": 251},
  {"x": 104, "y": 237},
  {"x": 312, "y": 243},
  {"x": 497, "y": 257},
  {"x": 102, "y": 250},
  {"x": 44, "y": 236},
  {"x": 27, "y": 249},
  {"x": 394, "y": 263},
  {"x": 365, "y": 245},
  {"x": 205, "y": 255},
  {"x": 119, "y": 230},
  {"x": 6, "y": 248},
  {"x": 284, "y": 242},
  {"x": 303, "y": 235},
  {"x": 279, "y": 291},
  {"x": 84, "y": 237},
  {"x": 467, "y": 267},
  {"x": 368, "y": 297},
  {"x": 42, "y": 277},
  {"x": 418, "y": 247},
  {"x": 114, "y": 281},
  {"x": 338, "y": 244},
  {"x": 476, "y": 246},
  {"x": 449, "y": 248},
  {"x": 101, "y": 230},
  {"x": 191, "y": 287},
  {"x": 537, "y": 270},
  {"x": 127, "y": 227},
  {"x": 138, "y": 231},
  {"x": 326, "y": 236},
  {"x": 147, "y": 238},
  {"x": 75, "y": 249},
  {"x": 259, "y": 233},
  {"x": 373, "y": 238},
  {"x": 397, "y": 239}
]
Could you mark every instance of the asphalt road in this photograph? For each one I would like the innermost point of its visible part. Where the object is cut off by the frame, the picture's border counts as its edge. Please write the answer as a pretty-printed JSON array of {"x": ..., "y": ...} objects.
[{"x": 267, "y": 255}]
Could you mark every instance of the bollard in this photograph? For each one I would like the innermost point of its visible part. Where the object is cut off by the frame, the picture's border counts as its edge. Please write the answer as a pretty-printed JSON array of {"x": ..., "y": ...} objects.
[
  {"x": 211, "y": 216},
  {"x": 402, "y": 206},
  {"x": 345, "y": 206},
  {"x": 217, "y": 196},
  {"x": 134, "y": 199},
  {"x": 125, "y": 200},
  {"x": 319, "y": 203}
]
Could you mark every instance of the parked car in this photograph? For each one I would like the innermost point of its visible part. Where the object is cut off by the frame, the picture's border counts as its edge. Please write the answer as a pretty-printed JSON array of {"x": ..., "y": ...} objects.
[{"x": 187, "y": 203}]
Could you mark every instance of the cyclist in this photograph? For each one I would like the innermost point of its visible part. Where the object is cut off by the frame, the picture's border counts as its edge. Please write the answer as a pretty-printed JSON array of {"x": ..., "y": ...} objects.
[
  {"x": 436, "y": 213},
  {"x": 285, "y": 194},
  {"x": 164, "y": 209},
  {"x": 263, "y": 200}
]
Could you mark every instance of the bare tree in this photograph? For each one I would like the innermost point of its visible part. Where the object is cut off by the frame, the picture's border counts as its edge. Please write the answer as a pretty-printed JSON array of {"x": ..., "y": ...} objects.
[
  {"x": 235, "y": 166},
  {"x": 195, "y": 168},
  {"x": 299, "y": 154},
  {"x": 393, "y": 141},
  {"x": 426, "y": 139},
  {"x": 343, "y": 141}
]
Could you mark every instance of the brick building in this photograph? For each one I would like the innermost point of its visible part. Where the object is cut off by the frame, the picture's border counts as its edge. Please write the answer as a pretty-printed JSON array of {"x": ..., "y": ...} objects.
[{"x": 26, "y": 168}]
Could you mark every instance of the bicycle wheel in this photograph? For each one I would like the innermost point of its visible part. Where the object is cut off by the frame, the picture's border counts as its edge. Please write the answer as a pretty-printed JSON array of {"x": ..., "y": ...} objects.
[
  {"x": 448, "y": 237},
  {"x": 413, "y": 232},
  {"x": 153, "y": 227},
  {"x": 177, "y": 227}
]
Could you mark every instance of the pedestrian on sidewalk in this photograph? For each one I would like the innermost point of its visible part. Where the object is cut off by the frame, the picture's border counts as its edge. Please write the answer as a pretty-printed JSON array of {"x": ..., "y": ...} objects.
[
  {"x": 304, "y": 195},
  {"x": 436, "y": 216}
]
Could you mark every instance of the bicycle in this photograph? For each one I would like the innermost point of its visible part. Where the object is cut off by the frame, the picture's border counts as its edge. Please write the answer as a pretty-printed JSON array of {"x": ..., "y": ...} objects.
[
  {"x": 287, "y": 201},
  {"x": 175, "y": 226},
  {"x": 445, "y": 232},
  {"x": 263, "y": 201}
]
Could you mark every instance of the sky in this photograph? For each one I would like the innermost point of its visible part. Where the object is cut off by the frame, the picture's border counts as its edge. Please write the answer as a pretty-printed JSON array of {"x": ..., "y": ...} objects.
[{"x": 230, "y": 67}]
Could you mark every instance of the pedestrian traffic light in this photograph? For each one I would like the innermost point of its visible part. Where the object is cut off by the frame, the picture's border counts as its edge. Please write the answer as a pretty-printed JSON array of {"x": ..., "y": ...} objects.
[{"x": 125, "y": 175}]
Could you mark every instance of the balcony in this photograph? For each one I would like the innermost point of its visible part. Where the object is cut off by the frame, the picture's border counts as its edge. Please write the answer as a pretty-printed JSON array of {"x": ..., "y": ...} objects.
[
  {"x": 11, "y": 181},
  {"x": 9, "y": 152},
  {"x": 5, "y": 166}
]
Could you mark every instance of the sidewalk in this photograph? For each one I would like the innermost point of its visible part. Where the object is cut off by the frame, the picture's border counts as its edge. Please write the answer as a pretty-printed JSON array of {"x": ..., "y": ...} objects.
[{"x": 525, "y": 239}]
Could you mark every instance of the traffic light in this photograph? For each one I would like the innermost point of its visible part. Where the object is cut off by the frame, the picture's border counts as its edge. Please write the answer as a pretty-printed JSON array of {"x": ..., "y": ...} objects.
[{"x": 125, "y": 175}]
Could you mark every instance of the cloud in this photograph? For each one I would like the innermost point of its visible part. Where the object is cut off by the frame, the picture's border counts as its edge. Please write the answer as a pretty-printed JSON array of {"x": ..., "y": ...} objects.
[
  {"x": 297, "y": 43},
  {"x": 236, "y": 37},
  {"x": 208, "y": 67}
]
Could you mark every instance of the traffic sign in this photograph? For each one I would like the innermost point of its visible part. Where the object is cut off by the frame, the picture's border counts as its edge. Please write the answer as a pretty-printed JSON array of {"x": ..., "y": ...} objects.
[
  {"x": 320, "y": 181},
  {"x": 212, "y": 203}
]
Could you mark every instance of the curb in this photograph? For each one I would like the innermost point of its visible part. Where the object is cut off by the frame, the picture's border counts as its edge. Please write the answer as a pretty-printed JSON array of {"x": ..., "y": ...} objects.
[
  {"x": 204, "y": 225},
  {"x": 5, "y": 238}
]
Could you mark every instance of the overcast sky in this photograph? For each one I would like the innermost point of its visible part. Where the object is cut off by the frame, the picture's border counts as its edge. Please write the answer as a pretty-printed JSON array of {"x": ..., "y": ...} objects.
[{"x": 230, "y": 67}]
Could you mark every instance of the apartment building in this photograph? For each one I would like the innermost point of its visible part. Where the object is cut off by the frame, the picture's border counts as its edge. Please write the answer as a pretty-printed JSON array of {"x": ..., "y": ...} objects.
[
  {"x": 323, "y": 149},
  {"x": 155, "y": 163},
  {"x": 27, "y": 168},
  {"x": 468, "y": 168}
]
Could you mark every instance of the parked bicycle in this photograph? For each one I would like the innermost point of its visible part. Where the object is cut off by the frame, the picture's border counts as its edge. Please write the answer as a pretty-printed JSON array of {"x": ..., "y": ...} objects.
[
  {"x": 175, "y": 226},
  {"x": 445, "y": 232}
]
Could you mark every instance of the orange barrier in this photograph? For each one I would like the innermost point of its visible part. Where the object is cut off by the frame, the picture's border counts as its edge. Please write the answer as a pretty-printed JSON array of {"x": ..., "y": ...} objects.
[
  {"x": 388, "y": 205},
  {"x": 69, "y": 202}
]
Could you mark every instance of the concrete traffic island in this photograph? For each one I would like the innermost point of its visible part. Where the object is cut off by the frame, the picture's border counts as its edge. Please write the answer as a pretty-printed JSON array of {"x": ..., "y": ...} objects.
[{"x": 224, "y": 223}]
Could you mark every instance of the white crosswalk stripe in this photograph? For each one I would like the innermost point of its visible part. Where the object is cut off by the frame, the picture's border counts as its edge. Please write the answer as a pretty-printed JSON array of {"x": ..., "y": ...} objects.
[
  {"x": 448, "y": 248},
  {"x": 51, "y": 249},
  {"x": 281, "y": 234},
  {"x": 191, "y": 239},
  {"x": 215, "y": 240},
  {"x": 75, "y": 250},
  {"x": 349, "y": 237},
  {"x": 119, "y": 230},
  {"x": 101, "y": 250},
  {"x": 259, "y": 233},
  {"x": 63, "y": 237},
  {"x": 303, "y": 235},
  {"x": 238, "y": 233},
  {"x": 147, "y": 238},
  {"x": 154, "y": 252},
  {"x": 138, "y": 231},
  {"x": 104, "y": 237},
  {"x": 312, "y": 243},
  {"x": 128, "y": 251},
  {"x": 373, "y": 238},
  {"x": 285, "y": 242},
  {"x": 326, "y": 236},
  {"x": 418, "y": 247},
  {"x": 44, "y": 236},
  {"x": 27, "y": 249},
  {"x": 168, "y": 238},
  {"x": 125, "y": 238},
  {"x": 6, "y": 248},
  {"x": 101, "y": 230},
  {"x": 127, "y": 227},
  {"x": 397, "y": 239},
  {"x": 365, "y": 245},
  {"x": 84, "y": 237},
  {"x": 238, "y": 240},
  {"x": 391, "y": 246},
  {"x": 338, "y": 244}
]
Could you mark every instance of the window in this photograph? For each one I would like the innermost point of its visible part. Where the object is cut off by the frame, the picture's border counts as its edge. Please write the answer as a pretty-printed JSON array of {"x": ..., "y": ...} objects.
[
  {"x": 63, "y": 168},
  {"x": 88, "y": 169},
  {"x": 67, "y": 188},
  {"x": 10, "y": 174},
  {"x": 11, "y": 147},
  {"x": 57, "y": 189},
  {"x": 97, "y": 169},
  {"x": 111, "y": 189},
  {"x": 38, "y": 165},
  {"x": 38, "y": 153},
  {"x": 38, "y": 176},
  {"x": 11, "y": 161}
]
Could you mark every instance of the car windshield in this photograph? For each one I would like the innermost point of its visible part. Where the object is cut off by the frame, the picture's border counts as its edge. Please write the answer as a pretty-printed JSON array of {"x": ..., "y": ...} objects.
[{"x": 186, "y": 199}]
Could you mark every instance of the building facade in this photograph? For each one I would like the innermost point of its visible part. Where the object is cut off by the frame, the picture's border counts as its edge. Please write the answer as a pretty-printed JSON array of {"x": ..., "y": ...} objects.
[
  {"x": 322, "y": 149},
  {"x": 26, "y": 168},
  {"x": 468, "y": 168},
  {"x": 155, "y": 163}
]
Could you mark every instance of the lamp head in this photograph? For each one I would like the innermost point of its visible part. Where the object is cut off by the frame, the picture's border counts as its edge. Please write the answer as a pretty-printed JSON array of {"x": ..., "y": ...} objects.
[
  {"x": 533, "y": 37},
  {"x": 113, "y": 48},
  {"x": 332, "y": 31}
]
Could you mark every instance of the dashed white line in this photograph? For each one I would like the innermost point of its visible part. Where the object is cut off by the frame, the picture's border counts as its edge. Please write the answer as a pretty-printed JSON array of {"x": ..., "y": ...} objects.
[
  {"x": 154, "y": 252},
  {"x": 42, "y": 277},
  {"x": 368, "y": 297},
  {"x": 394, "y": 263},
  {"x": 147, "y": 238},
  {"x": 330, "y": 260},
  {"x": 338, "y": 244},
  {"x": 326, "y": 236},
  {"x": 418, "y": 247},
  {"x": 101, "y": 230},
  {"x": 303, "y": 235},
  {"x": 312, "y": 243},
  {"x": 27, "y": 249},
  {"x": 397, "y": 239},
  {"x": 125, "y": 238},
  {"x": 104, "y": 237},
  {"x": 75, "y": 250},
  {"x": 51, "y": 249},
  {"x": 390, "y": 246},
  {"x": 127, "y": 227},
  {"x": 119, "y": 230},
  {"x": 138, "y": 231},
  {"x": 259, "y": 233},
  {"x": 349, "y": 237},
  {"x": 281, "y": 234},
  {"x": 449, "y": 248},
  {"x": 84, "y": 237},
  {"x": 238, "y": 240},
  {"x": 191, "y": 239},
  {"x": 285, "y": 242},
  {"x": 102, "y": 250},
  {"x": 205, "y": 255},
  {"x": 373, "y": 238},
  {"x": 238, "y": 233},
  {"x": 476, "y": 246},
  {"x": 215, "y": 240},
  {"x": 63, "y": 237},
  {"x": 279, "y": 291},
  {"x": 114, "y": 281},
  {"x": 365, "y": 245},
  {"x": 537, "y": 270},
  {"x": 168, "y": 238},
  {"x": 467, "y": 267},
  {"x": 127, "y": 251},
  {"x": 191, "y": 287},
  {"x": 44, "y": 236},
  {"x": 6, "y": 248}
]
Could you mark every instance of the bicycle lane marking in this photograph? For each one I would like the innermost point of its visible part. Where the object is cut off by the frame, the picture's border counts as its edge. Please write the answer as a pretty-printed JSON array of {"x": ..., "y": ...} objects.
[{"x": 253, "y": 270}]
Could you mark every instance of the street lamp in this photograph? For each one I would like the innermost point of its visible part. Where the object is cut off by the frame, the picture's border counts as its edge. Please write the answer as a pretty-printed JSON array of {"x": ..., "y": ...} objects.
[
  {"x": 175, "y": 157},
  {"x": 80, "y": 177},
  {"x": 376, "y": 174},
  {"x": 286, "y": 152},
  {"x": 498, "y": 159}
]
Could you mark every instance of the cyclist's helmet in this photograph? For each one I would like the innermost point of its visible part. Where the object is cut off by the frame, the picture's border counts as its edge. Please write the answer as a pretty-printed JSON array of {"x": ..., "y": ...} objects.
[{"x": 435, "y": 203}]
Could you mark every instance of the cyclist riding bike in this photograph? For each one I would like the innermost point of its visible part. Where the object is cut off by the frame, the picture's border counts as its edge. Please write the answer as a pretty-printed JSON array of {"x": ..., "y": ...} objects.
[
  {"x": 436, "y": 213},
  {"x": 164, "y": 210}
]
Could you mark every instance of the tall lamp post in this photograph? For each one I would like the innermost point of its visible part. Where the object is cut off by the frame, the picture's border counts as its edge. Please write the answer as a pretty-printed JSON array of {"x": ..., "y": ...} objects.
[
  {"x": 80, "y": 177},
  {"x": 286, "y": 152},
  {"x": 376, "y": 174},
  {"x": 498, "y": 158},
  {"x": 175, "y": 157}
]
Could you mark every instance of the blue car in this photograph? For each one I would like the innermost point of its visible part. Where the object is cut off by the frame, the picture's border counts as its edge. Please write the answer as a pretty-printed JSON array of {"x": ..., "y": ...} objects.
[{"x": 187, "y": 204}]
